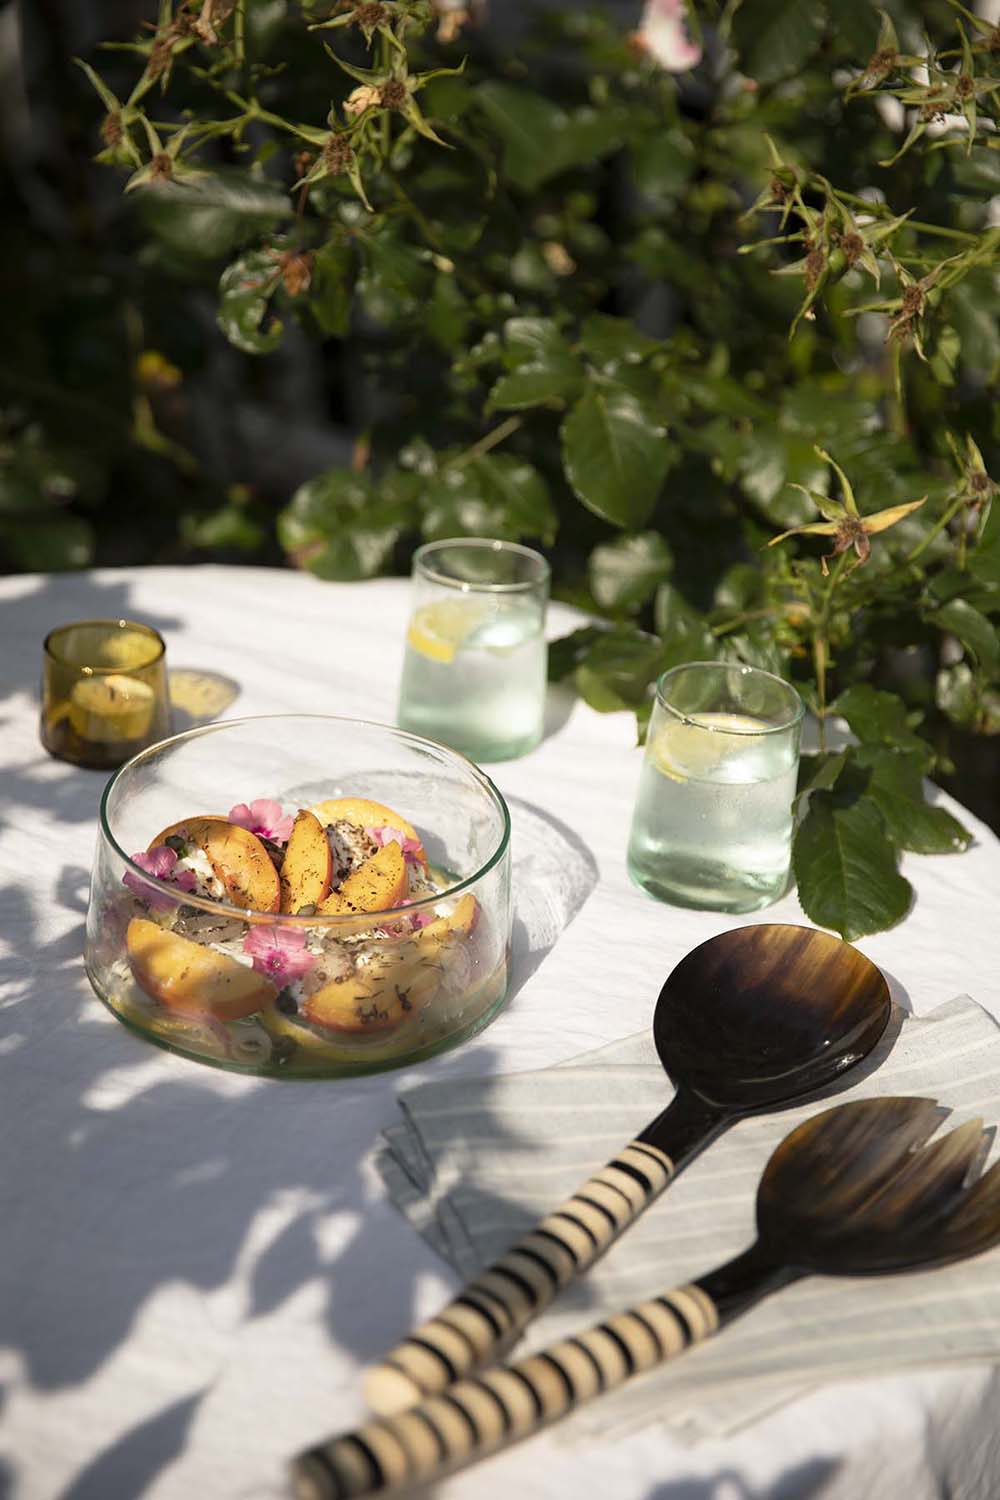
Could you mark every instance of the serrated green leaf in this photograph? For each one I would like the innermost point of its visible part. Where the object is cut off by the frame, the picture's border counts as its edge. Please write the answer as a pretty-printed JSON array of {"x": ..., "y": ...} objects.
[
  {"x": 625, "y": 572},
  {"x": 618, "y": 670},
  {"x": 494, "y": 494},
  {"x": 817, "y": 773},
  {"x": 530, "y": 339},
  {"x": 331, "y": 295},
  {"x": 211, "y": 214},
  {"x": 682, "y": 629},
  {"x": 245, "y": 289},
  {"x": 879, "y": 717},
  {"x": 566, "y": 653},
  {"x": 528, "y": 124},
  {"x": 974, "y": 630},
  {"x": 776, "y": 38},
  {"x": 540, "y": 139},
  {"x": 614, "y": 455},
  {"x": 50, "y": 544},
  {"x": 845, "y": 867},
  {"x": 336, "y": 526},
  {"x": 896, "y": 786},
  {"x": 447, "y": 315},
  {"x": 551, "y": 377},
  {"x": 609, "y": 341}
]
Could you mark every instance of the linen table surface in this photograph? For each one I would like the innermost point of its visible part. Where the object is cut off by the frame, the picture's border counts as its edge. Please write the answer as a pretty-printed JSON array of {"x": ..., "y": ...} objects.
[{"x": 196, "y": 1266}]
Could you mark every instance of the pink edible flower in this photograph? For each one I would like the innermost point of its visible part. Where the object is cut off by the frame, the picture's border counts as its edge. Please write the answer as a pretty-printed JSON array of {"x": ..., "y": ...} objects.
[
  {"x": 416, "y": 919},
  {"x": 278, "y": 952},
  {"x": 410, "y": 847},
  {"x": 263, "y": 817},
  {"x": 663, "y": 36},
  {"x": 158, "y": 862}
]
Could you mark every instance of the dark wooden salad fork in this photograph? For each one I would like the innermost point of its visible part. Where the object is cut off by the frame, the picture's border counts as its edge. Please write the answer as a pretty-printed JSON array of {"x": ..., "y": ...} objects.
[
  {"x": 854, "y": 1191},
  {"x": 754, "y": 1018}
]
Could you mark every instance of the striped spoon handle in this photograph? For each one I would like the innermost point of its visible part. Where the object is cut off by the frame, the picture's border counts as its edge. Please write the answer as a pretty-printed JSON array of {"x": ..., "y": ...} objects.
[
  {"x": 489, "y": 1313},
  {"x": 482, "y": 1414}
]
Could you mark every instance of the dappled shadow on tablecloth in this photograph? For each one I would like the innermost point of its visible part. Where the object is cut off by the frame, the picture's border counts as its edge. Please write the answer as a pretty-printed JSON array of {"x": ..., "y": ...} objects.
[{"x": 135, "y": 1178}]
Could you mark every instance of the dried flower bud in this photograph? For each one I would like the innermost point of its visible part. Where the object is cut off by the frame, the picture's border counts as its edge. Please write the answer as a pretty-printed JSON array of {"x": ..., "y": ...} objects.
[
  {"x": 370, "y": 15},
  {"x": 360, "y": 99},
  {"x": 338, "y": 154},
  {"x": 160, "y": 55},
  {"x": 913, "y": 300},
  {"x": 392, "y": 95},
  {"x": 111, "y": 129},
  {"x": 161, "y": 168},
  {"x": 882, "y": 63},
  {"x": 981, "y": 484},
  {"x": 853, "y": 247},
  {"x": 452, "y": 17},
  {"x": 558, "y": 258},
  {"x": 296, "y": 271},
  {"x": 965, "y": 86},
  {"x": 780, "y": 191},
  {"x": 815, "y": 266}
]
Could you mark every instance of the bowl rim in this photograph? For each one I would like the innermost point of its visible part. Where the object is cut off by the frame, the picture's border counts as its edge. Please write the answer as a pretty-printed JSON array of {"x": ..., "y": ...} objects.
[{"x": 275, "y": 918}]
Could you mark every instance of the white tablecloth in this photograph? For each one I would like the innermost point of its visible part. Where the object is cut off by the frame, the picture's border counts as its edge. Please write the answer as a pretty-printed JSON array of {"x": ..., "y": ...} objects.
[{"x": 194, "y": 1267}]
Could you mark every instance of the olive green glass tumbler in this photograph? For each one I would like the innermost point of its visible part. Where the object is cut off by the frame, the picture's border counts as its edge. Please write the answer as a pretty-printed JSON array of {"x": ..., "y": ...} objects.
[
  {"x": 104, "y": 692},
  {"x": 712, "y": 826}
]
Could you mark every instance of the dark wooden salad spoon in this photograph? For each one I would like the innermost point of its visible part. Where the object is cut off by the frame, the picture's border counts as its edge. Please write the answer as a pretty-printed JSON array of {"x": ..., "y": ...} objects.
[
  {"x": 754, "y": 1018},
  {"x": 854, "y": 1191}
]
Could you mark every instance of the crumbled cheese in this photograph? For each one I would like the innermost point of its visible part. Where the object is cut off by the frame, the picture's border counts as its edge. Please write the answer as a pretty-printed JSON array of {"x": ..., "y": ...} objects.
[
  {"x": 207, "y": 883},
  {"x": 350, "y": 846}
]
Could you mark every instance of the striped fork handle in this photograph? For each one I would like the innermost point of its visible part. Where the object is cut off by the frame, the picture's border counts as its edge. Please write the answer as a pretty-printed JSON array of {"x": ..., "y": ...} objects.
[
  {"x": 482, "y": 1414},
  {"x": 489, "y": 1313}
]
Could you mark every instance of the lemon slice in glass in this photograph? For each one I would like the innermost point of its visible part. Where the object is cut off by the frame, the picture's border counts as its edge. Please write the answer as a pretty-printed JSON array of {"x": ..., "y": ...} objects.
[
  {"x": 438, "y": 630},
  {"x": 695, "y": 748},
  {"x": 115, "y": 707}
]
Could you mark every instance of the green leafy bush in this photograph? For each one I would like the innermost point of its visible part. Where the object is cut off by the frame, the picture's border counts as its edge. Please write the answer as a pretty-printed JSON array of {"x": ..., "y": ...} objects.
[{"x": 726, "y": 344}]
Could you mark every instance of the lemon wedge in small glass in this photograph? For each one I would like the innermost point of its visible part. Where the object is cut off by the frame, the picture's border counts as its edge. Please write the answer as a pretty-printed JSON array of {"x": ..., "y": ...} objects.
[
  {"x": 696, "y": 747},
  {"x": 438, "y": 630},
  {"x": 109, "y": 708}
]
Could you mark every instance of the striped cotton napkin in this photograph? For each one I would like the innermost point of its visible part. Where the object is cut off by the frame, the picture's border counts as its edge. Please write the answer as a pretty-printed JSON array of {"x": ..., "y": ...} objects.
[{"x": 476, "y": 1162}]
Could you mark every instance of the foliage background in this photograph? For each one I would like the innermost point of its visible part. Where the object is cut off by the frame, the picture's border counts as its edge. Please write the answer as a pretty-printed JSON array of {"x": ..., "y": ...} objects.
[{"x": 572, "y": 266}]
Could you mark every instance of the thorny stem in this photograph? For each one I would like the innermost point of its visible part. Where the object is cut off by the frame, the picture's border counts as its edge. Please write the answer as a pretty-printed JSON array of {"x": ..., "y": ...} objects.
[
  {"x": 876, "y": 208},
  {"x": 491, "y": 440},
  {"x": 821, "y": 644},
  {"x": 385, "y": 120},
  {"x": 240, "y": 34},
  {"x": 936, "y": 529},
  {"x": 743, "y": 619}
]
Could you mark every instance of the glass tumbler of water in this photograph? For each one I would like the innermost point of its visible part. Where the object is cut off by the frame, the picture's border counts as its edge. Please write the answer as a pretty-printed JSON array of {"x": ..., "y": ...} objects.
[
  {"x": 475, "y": 666},
  {"x": 712, "y": 826}
]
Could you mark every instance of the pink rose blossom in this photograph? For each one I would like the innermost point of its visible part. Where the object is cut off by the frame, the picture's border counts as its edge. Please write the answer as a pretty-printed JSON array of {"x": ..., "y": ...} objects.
[
  {"x": 663, "y": 36},
  {"x": 263, "y": 817},
  {"x": 158, "y": 862},
  {"x": 278, "y": 952},
  {"x": 410, "y": 847}
]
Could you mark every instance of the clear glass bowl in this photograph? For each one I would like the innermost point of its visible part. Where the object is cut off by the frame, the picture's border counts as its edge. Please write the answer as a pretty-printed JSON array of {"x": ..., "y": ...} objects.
[{"x": 398, "y": 985}]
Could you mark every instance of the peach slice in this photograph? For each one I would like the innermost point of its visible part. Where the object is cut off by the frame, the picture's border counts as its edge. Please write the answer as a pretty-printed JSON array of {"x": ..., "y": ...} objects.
[
  {"x": 237, "y": 857},
  {"x": 396, "y": 982},
  {"x": 444, "y": 930},
  {"x": 191, "y": 979},
  {"x": 378, "y": 885},
  {"x": 391, "y": 987},
  {"x": 365, "y": 814},
  {"x": 307, "y": 867}
]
